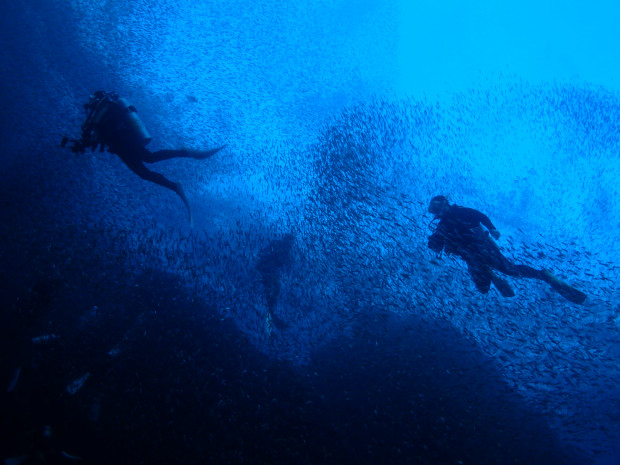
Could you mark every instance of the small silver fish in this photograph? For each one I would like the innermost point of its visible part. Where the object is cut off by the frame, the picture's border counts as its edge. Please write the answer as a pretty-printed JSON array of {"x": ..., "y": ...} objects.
[
  {"x": 44, "y": 339},
  {"x": 14, "y": 380},
  {"x": 77, "y": 384}
]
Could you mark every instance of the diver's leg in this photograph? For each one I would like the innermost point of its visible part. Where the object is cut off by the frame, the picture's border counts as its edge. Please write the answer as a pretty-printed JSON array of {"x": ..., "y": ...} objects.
[
  {"x": 502, "y": 286},
  {"x": 480, "y": 275},
  {"x": 157, "y": 178},
  {"x": 160, "y": 155},
  {"x": 271, "y": 285},
  {"x": 503, "y": 265},
  {"x": 519, "y": 271},
  {"x": 524, "y": 271}
]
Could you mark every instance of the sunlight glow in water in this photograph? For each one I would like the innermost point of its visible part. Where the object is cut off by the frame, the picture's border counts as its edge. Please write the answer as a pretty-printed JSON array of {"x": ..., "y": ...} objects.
[{"x": 447, "y": 46}]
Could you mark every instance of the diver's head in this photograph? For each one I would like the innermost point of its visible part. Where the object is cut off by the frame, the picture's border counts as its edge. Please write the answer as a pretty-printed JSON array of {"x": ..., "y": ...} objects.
[
  {"x": 438, "y": 206},
  {"x": 95, "y": 99}
]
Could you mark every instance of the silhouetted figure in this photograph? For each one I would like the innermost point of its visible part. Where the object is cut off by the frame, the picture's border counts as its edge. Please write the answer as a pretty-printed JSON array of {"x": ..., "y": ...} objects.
[
  {"x": 272, "y": 260},
  {"x": 113, "y": 123},
  {"x": 460, "y": 232}
]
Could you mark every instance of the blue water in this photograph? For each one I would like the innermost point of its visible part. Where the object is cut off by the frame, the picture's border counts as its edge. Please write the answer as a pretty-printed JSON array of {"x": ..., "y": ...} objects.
[{"x": 352, "y": 343}]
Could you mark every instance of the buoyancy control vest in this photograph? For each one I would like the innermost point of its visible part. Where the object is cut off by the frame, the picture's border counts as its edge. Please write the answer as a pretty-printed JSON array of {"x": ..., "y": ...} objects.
[{"x": 111, "y": 119}]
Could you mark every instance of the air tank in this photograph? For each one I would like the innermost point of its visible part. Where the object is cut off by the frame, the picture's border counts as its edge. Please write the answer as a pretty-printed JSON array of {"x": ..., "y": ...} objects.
[{"x": 134, "y": 122}]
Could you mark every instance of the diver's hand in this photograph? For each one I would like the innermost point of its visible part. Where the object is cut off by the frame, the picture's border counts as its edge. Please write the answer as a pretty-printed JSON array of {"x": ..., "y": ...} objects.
[{"x": 494, "y": 233}]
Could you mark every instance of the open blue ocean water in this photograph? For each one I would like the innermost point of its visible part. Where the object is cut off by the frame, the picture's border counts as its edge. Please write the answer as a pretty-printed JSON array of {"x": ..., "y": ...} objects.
[{"x": 302, "y": 318}]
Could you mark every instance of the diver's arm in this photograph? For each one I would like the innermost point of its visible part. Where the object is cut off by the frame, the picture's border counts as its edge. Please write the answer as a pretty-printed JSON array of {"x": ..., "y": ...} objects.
[
  {"x": 489, "y": 225},
  {"x": 435, "y": 242},
  {"x": 134, "y": 163},
  {"x": 476, "y": 216}
]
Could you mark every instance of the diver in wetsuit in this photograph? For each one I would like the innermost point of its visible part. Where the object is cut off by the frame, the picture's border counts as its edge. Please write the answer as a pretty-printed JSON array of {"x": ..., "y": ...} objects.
[
  {"x": 113, "y": 123},
  {"x": 460, "y": 232},
  {"x": 273, "y": 261}
]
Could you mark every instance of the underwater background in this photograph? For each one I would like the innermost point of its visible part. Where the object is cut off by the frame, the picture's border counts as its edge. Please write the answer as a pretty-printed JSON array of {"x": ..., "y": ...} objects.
[{"x": 302, "y": 319}]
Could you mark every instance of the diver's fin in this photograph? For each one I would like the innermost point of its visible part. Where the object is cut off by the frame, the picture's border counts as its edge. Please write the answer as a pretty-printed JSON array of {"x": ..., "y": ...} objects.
[
  {"x": 572, "y": 294},
  {"x": 202, "y": 154},
  {"x": 179, "y": 190},
  {"x": 14, "y": 379},
  {"x": 502, "y": 286},
  {"x": 566, "y": 291}
]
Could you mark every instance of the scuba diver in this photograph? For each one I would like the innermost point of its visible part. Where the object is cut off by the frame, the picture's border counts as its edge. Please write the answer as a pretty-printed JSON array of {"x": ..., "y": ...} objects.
[
  {"x": 113, "y": 123},
  {"x": 460, "y": 232},
  {"x": 273, "y": 261}
]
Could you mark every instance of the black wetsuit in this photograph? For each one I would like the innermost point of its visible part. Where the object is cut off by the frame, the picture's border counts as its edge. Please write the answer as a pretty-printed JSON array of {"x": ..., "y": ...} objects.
[
  {"x": 114, "y": 132},
  {"x": 460, "y": 232},
  {"x": 273, "y": 261},
  {"x": 110, "y": 125}
]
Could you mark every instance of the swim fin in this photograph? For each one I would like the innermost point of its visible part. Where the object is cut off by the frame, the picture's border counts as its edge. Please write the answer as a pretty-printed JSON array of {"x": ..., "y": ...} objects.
[
  {"x": 566, "y": 291},
  {"x": 179, "y": 190},
  {"x": 202, "y": 154},
  {"x": 502, "y": 286}
]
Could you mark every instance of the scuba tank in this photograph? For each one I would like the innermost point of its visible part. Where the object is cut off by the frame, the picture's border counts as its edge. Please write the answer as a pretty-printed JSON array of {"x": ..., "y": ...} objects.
[
  {"x": 133, "y": 122},
  {"x": 108, "y": 117},
  {"x": 106, "y": 109}
]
